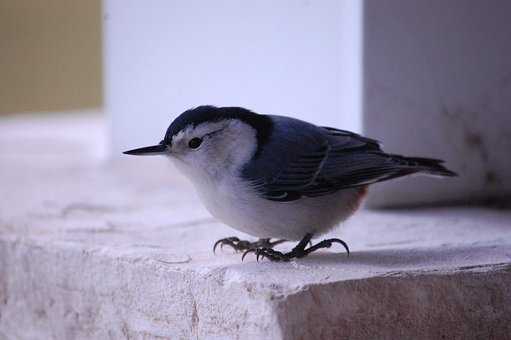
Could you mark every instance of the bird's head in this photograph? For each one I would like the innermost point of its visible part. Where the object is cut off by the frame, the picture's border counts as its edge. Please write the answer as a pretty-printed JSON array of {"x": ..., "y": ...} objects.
[{"x": 213, "y": 141}]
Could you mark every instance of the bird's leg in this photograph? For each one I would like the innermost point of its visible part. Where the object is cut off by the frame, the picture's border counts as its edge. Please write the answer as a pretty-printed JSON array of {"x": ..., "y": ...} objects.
[
  {"x": 297, "y": 252},
  {"x": 241, "y": 245}
]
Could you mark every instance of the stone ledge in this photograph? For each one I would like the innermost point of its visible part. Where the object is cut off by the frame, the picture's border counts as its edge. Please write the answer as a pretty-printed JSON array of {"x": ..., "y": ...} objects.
[
  {"x": 122, "y": 249},
  {"x": 65, "y": 291}
]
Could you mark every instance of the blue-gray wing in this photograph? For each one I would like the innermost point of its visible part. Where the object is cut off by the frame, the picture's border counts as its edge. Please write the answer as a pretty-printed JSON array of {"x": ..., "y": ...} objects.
[{"x": 302, "y": 159}]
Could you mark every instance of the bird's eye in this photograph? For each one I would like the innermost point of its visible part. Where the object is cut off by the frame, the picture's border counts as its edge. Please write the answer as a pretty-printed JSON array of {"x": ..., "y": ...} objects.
[{"x": 194, "y": 143}]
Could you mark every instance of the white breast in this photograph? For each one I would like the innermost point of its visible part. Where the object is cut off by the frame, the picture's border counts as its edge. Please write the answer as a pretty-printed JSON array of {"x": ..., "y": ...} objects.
[{"x": 236, "y": 205}]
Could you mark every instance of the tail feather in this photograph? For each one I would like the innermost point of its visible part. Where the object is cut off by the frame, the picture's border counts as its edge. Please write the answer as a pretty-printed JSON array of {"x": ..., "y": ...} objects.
[{"x": 428, "y": 166}]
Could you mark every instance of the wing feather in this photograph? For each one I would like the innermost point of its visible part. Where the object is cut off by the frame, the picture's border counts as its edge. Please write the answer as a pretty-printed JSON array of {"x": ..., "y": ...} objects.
[{"x": 312, "y": 161}]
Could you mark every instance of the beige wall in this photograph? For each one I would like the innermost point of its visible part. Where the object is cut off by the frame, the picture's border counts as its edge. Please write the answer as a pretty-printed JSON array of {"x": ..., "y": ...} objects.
[{"x": 50, "y": 55}]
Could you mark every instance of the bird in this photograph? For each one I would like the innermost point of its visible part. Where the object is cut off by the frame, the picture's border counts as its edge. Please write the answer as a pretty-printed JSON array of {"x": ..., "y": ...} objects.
[{"x": 277, "y": 177}]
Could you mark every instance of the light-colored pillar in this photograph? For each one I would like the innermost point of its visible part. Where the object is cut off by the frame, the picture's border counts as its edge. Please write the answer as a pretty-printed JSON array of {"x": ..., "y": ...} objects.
[{"x": 437, "y": 83}]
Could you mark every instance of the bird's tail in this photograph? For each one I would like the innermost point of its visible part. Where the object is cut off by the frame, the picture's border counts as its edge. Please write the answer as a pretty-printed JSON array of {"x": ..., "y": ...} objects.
[{"x": 429, "y": 166}]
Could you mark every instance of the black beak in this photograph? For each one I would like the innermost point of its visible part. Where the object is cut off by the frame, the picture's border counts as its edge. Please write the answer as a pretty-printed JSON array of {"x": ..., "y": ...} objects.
[{"x": 159, "y": 149}]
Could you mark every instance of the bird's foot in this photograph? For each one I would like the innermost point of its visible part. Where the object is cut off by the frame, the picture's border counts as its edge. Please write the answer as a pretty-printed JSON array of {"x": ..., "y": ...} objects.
[
  {"x": 242, "y": 245},
  {"x": 298, "y": 252}
]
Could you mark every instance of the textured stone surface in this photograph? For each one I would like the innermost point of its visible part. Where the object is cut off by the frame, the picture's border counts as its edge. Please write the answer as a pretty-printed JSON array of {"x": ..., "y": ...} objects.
[{"x": 91, "y": 249}]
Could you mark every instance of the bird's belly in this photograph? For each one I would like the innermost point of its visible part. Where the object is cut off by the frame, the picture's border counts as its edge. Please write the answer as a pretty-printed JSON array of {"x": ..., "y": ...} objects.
[{"x": 244, "y": 210}]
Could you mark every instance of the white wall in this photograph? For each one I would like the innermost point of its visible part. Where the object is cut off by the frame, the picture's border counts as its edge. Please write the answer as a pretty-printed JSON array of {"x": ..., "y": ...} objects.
[{"x": 299, "y": 58}]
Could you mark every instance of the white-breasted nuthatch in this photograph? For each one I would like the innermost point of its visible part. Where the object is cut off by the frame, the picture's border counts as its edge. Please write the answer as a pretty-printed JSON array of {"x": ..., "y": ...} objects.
[{"x": 278, "y": 177}]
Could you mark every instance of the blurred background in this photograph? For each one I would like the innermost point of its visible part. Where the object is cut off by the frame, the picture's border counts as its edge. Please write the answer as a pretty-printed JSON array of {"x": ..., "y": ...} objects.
[
  {"x": 50, "y": 55},
  {"x": 428, "y": 78}
]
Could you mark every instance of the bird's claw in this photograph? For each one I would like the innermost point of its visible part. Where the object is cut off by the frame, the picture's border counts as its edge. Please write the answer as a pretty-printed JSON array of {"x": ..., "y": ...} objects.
[
  {"x": 277, "y": 256},
  {"x": 247, "y": 252},
  {"x": 327, "y": 244},
  {"x": 230, "y": 241},
  {"x": 269, "y": 253},
  {"x": 273, "y": 255},
  {"x": 242, "y": 245}
]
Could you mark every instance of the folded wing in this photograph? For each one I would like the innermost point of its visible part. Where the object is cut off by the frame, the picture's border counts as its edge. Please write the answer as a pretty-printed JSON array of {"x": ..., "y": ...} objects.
[{"x": 310, "y": 161}]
